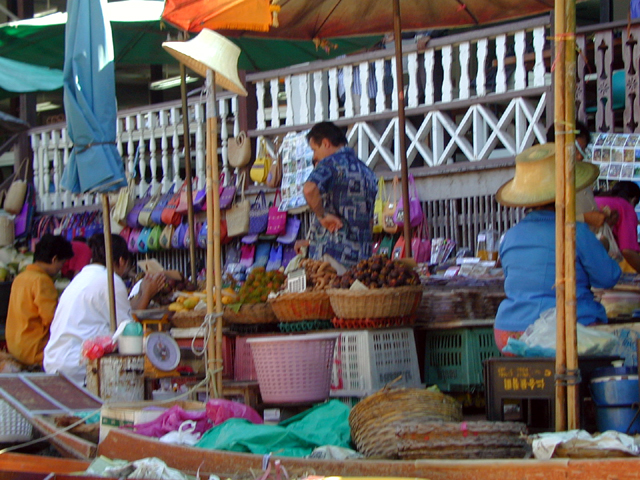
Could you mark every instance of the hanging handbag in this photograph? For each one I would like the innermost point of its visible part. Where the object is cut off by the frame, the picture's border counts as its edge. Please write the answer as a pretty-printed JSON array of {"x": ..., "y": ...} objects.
[
  {"x": 275, "y": 257},
  {"x": 239, "y": 151},
  {"x": 7, "y": 230},
  {"x": 125, "y": 232},
  {"x": 144, "y": 217},
  {"x": 132, "y": 244},
  {"x": 263, "y": 249},
  {"x": 177, "y": 240},
  {"x": 247, "y": 254},
  {"x": 132, "y": 216},
  {"x": 17, "y": 193},
  {"x": 260, "y": 168},
  {"x": 202, "y": 235},
  {"x": 166, "y": 236},
  {"x": 183, "y": 204},
  {"x": 378, "y": 207},
  {"x": 156, "y": 215},
  {"x": 153, "y": 243},
  {"x": 415, "y": 209},
  {"x": 398, "y": 249},
  {"x": 386, "y": 245},
  {"x": 169, "y": 214},
  {"x": 420, "y": 243},
  {"x": 258, "y": 215},
  {"x": 238, "y": 215},
  {"x": 274, "y": 177},
  {"x": 124, "y": 203},
  {"x": 226, "y": 194},
  {"x": 23, "y": 222},
  {"x": 288, "y": 253},
  {"x": 389, "y": 211},
  {"x": 277, "y": 220}
]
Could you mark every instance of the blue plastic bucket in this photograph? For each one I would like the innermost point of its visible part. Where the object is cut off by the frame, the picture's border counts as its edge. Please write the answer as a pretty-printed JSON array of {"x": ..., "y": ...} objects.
[{"x": 614, "y": 391}]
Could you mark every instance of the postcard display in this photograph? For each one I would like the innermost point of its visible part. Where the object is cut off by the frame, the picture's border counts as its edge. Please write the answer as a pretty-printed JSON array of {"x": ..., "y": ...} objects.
[
  {"x": 297, "y": 165},
  {"x": 618, "y": 156}
]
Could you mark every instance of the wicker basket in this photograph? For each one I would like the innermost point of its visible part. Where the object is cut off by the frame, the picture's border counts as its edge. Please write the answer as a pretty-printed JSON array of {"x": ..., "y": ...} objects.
[
  {"x": 188, "y": 319},
  {"x": 295, "y": 307},
  {"x": 250, "y": 313},
  {"x": 375, "y": 303},
  {"x": 374, "y": 421},
  {"x": 462, "y": 440},
  {"x": 14, "y": 428}
]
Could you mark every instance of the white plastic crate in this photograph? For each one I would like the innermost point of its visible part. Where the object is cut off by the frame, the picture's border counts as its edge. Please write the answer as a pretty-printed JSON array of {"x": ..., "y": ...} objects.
[
  {"x": 14, "y": 428},
  {"x": 366, "y": 360}
]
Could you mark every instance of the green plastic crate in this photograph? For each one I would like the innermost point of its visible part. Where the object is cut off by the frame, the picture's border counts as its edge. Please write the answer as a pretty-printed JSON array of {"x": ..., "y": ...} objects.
[{"x": 453, "y": 358}]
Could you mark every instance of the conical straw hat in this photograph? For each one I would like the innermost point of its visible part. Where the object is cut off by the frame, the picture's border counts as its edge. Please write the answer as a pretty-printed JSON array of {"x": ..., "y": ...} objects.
[
  {"x": 210, "y": 50},
  {"x": 534, "y": 183}
]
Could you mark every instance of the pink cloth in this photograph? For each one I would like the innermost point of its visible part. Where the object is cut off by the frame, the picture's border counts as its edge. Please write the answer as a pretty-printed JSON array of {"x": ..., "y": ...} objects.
[
  {"x": 625, "y": 230},
  {"x": 81, "y": 258}
]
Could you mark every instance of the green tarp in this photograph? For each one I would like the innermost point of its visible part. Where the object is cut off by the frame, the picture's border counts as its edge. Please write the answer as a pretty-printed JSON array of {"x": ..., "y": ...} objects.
[{"x": 325, "y": 424}]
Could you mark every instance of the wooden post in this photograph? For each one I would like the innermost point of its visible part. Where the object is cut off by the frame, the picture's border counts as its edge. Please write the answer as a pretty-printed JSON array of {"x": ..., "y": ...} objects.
[
  {"x": 108, "y": 250},
  {"x": 187, "y": 167},
  {"x": 560, "y": 126},
  {"x": 570, "y": 316},
  {"x": 214, "y": 263}
]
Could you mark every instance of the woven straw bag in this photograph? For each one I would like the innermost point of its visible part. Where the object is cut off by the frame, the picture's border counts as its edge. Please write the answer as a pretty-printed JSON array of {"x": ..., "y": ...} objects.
[
  {"x": 14, "y": 199},
  {"x": 239, "y": 151}
]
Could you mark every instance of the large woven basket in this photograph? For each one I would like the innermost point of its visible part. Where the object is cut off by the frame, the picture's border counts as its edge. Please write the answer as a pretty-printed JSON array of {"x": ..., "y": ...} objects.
[
  {"x": 462, "y": 440},
  {"x": 374, "y": 420},
  {"x": 250, "y": 313},
  {"x": 188, "y": 319},
  {"x": 375, "y": 303},
  {"x": 296, "y": 307}
]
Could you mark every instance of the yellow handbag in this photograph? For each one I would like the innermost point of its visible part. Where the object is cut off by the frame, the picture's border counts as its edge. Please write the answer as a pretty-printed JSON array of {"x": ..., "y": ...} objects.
[
  {"x": 378, "y": 207},
  {"x": 390, "y": 205},
  {"x": 260, "y": 169}
]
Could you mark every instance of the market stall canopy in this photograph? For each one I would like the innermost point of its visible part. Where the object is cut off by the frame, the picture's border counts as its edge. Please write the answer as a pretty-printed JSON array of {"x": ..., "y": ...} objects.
[
  {"x": 20, "y": 77},
  {"x": 138, "y": 33}
]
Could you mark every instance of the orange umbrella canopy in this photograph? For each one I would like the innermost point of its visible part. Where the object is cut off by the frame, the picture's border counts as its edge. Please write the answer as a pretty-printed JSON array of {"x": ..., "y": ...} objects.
[{"x": 194, "y": 15}]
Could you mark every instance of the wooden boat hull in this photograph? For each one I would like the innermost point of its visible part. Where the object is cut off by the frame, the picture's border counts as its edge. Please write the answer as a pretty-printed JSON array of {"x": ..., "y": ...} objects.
[
  {"x": 13, "y": 463},
  {"x": 68, "y": 444},
  {"x": 128, "y": 446}
]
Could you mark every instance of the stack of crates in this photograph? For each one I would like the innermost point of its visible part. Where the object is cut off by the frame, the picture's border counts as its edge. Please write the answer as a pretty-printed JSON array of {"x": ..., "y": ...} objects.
[
  {"x": 453, "y": 358},
  {"x": 366, "y": 360}
]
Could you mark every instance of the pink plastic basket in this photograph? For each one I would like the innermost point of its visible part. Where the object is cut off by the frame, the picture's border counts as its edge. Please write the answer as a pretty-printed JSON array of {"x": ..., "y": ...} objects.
[
  {"x": 245, "y": 369},
  {"x": 294, "y": 368}
]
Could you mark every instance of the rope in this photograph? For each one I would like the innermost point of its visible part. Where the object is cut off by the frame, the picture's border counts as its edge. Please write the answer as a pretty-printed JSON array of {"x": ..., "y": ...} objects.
[{"x": 571, "y": 377}]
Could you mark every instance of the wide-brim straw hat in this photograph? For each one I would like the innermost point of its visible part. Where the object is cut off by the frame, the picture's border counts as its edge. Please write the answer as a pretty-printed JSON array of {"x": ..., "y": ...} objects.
[
  {"x": 210, "y": 50},
  {"x": 534, "y": 183}
]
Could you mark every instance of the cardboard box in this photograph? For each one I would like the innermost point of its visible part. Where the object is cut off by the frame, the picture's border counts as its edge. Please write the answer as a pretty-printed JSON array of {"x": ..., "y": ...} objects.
[{"x": 114, "y": 415}]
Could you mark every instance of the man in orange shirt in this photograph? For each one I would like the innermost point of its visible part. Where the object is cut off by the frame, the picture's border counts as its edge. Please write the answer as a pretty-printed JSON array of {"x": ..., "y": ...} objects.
[{"x": 33, "y": 301}]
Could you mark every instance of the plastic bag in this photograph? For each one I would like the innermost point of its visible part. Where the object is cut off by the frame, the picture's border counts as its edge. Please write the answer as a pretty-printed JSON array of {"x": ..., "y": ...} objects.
[
  {"x": 539, "y": 339},
  {"x": 185, "y": 435},
  {"x": 97, "y": 347},
  {"x": 220, "y": 410}
]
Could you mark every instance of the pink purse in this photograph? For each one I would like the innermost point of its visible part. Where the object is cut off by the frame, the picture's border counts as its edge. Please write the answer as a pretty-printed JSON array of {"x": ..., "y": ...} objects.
[
  {"x": 421, "y": 243},
  {"x": 415, "y": 209},
  {"x": 277, "y": 223}
]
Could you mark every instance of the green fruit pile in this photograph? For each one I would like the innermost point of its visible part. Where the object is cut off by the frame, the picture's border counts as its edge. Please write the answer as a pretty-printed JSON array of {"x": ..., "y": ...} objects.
[
  {"x": 260, "y": 284},
  {"x": 378, "y": 271}
]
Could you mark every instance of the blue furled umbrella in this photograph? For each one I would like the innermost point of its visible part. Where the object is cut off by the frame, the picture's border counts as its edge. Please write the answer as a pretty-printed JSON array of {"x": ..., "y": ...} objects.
[{"x": 90, "y": 101}]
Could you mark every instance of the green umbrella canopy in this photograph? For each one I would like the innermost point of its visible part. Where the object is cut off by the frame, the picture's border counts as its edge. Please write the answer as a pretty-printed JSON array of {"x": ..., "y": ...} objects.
[
  {"x": 138, "y": 33},
  {"x": 19, "y": 77}
]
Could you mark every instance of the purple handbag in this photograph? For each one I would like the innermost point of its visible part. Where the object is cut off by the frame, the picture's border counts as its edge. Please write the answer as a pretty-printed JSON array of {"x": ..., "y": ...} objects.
[
  {"x": 24, "y": 220},
  {"x": 177, "y": 240},
  {"x": 415, "y": 209},
  {"x": 132, "y": 216},
  {"x": 288, "y": 252},
  {"x": 132, "y": 242},
  {"x": 277, "y": 220},
  {"x": 226, "y": 196},
  {"x": 275, "y": 257},
  {"x": 156, "y": 215},
  {"x": 258, "y": 214}
]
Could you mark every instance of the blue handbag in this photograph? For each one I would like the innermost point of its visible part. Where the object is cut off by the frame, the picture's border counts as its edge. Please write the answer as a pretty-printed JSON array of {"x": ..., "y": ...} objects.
[
  {"x": 258, "y": 214},
  {"x": 156, "y": 214}
]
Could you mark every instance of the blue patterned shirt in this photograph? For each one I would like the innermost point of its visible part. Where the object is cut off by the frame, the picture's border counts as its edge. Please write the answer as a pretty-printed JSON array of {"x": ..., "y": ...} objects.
[{"x": 348, "y": 188}]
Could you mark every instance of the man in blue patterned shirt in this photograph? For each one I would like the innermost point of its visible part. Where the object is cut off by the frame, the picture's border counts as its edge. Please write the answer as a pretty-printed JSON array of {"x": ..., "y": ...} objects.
[{"x": 341, "y": 192}]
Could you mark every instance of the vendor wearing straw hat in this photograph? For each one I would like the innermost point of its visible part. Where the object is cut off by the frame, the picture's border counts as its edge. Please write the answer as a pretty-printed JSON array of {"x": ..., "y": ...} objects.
[{"x": 528, "y": 252}]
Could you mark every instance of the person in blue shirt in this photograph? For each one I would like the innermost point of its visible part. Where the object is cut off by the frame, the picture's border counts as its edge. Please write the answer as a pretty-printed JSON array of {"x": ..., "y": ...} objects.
[
  {"x": 528, "y": 254},
  {"x": 341, "y": 192}
]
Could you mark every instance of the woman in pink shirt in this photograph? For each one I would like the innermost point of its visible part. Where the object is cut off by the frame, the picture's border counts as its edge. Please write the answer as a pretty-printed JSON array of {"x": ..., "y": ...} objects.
[{"x": 623, "y": 198}]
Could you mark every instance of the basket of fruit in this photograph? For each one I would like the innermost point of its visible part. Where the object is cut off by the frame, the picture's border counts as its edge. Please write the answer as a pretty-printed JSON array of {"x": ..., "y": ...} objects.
[
  {"x": 388, "y": 288},
  {"x": 252, "y": 306},
  {"x": 189, "y": 309},
  {"x": 312, "y": 304}
]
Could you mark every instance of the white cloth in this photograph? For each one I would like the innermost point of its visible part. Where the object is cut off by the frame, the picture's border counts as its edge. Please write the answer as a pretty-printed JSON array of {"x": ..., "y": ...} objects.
[{"x": 83, "y": 313}]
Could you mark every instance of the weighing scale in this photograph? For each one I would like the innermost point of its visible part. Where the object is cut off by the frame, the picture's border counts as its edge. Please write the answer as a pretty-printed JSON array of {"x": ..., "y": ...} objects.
[{"x": 162, "y": 353}]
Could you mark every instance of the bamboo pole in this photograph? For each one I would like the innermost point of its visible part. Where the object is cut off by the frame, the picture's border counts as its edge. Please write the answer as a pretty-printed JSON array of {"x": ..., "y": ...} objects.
[
  {"x": 188, "y": 171},
  {"x": 570, "y": 216},
  {"x": 108, "y": 250},
  {"x": 397, "y": 36},
  {"x": 559, "y": 121},
  {"x": 214, "y": 267}
]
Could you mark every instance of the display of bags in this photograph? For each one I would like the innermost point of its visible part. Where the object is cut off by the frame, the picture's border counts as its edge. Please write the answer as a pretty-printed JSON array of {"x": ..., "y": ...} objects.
[
  {"x": 260, "y": 168},
  {"x": 415, "y": 209},
  {"x": 389, "y": 225},
  {"x": 258, "y": 214},
  {"x": 238, "y": 215},
  {"x": 277, "y": 221},
  {"x": 378, "y": 206},
  {"x": 17, "y": 193},
  {"x": 239, "y": 150}
]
